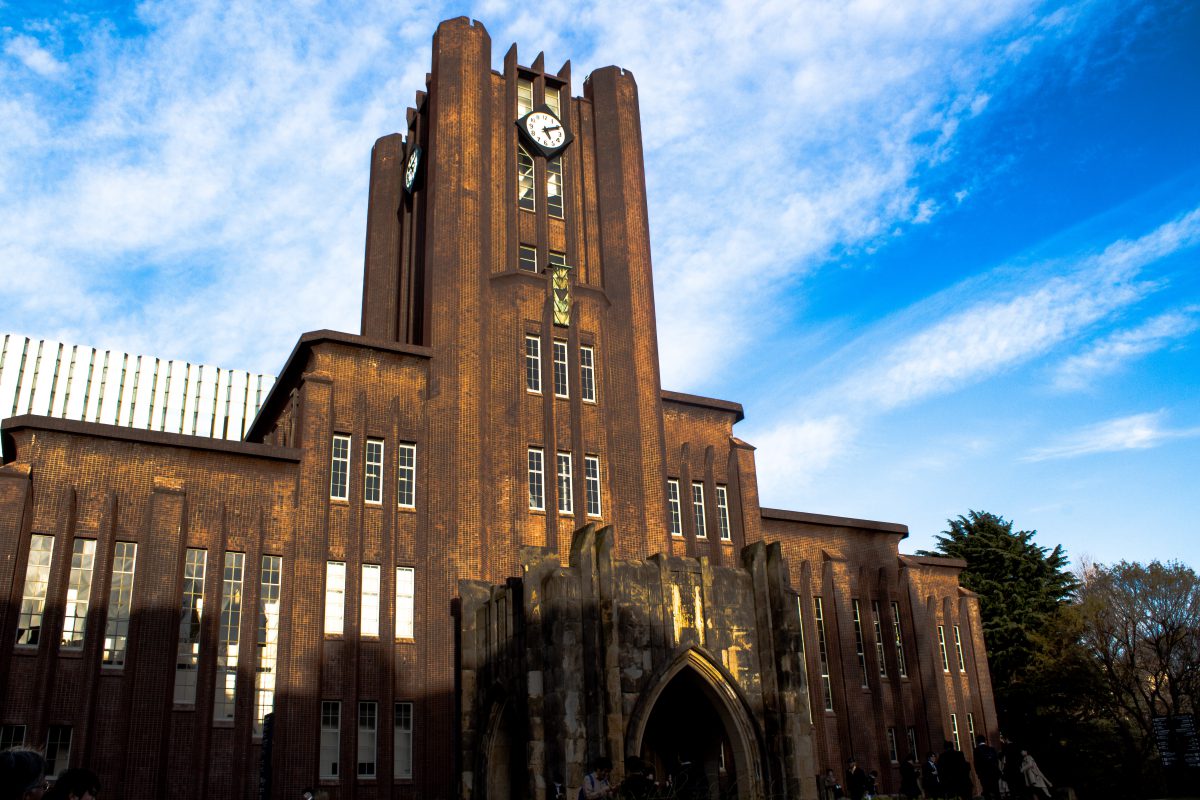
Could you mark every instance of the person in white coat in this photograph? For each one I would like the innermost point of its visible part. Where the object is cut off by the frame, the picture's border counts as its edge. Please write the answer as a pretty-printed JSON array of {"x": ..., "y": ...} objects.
[{"x": 1038, "y": 785}]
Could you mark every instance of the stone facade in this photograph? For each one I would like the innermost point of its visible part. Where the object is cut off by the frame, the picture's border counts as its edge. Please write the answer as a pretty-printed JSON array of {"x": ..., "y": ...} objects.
[{"x": 407, "y": 452}]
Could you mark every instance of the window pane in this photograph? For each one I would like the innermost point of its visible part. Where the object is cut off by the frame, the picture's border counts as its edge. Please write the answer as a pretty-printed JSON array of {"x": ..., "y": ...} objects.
[
  {"x": 227, "y": 646},
  {"x": 405, "y": 593},
  {"x": 402, "y": 741},
  {"x": 673, "y": 503},
  {"x": 859, "y": 650},
  {"x": 373, "y": 477},
  {"x": 406, "y": 486},
  {"x": 120, "y": 602},
  {"x": 537, "y": 493},
  {"x": 368, "y": 731},
  {"x": 526, "y": 190},
  {"x": 339, "y": 482},
  {"x": 58, "y": 750},
  {"x": 11, "y": 736},
  {"x": 879, "y": 649},
  {"x": 698, "y": 510},
  {"x": 331, "y": 723},
  {"x": 942, "y": 645},
  {"x": 268, "y": 639},
  {"x": 335, "y": 597},
  {"x": 533, "y": 364},
  {"x": 79, "y": 593},
  {"x": 524, "y": 96},
  {"x": 554, "y": 187},
  {"x": 962, "y": 663},
  {"x": 566, "y": 504},
  {"x": 553, "y": 101},
  {"x": 823, "y": 655},
  {"x": 591, "y": 467},
  {"x": 187, "y": 656},
  {"x": 560, "y": 368},
  {"x": 900, "y": 664},
  {"x": 723, "y": 513},
  {"x": 33, "y": 598},
  {"x": 587, "y": 374},
  {"x": 369, "y": 622},
  {"x": 527, "y": 258}
]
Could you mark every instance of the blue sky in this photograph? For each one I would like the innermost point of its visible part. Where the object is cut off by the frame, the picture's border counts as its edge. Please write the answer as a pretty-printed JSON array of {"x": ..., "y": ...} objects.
[{"x": 944, "y": 253}]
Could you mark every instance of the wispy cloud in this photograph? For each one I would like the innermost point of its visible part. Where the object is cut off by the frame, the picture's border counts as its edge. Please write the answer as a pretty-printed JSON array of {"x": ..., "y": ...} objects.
[
  {"x": 29, "y": 51},
  {"x": 1109, "y": 354},
  {"x": 1136, "y": 432}
]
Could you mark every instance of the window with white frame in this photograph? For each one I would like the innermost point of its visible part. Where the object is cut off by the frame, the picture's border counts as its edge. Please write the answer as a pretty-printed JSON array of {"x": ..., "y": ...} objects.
[
  {"x": 893, "y": 751},
  {"x": 553, "y": 100},
  {"x": 58, "y": 750},
  {"x": 859, "y": 649},
  {"x": 537, "y": 478},
  {"x": 942, "y": 644},
  {"x": 405, "y": 599},
  {"x": 591, "y": 474},
  {"x": 879, "y": 648},
  {"x": 962, "y": 662},
  {"x": 561, "y": 386},
  {"x": 673, "y": 505},
  {"x": 900, "y": 663},
  {"x": 406, "y": 476},
  {"x": 227, "y": 645},
  {"x": 11, "y": 736},
  {"x": 698, "y": 510},
  {"x": 33, "y": 596},
  {"x": 954, "y": 731},
  {"x": 331, "y": 738},
  {"x": 270, "y": 580},
  {"x": 533, "y": 364},
  {"x": 402, "y": 741},
  {"x": 187, "y": 652},
  {"x": 373, "y": 475},
  {"x": 120, "y": 604},
  {"x": 912, "y": 739},
  {"x": 335, "y": 597},
  {"x": 723, "y": 514},
  {"x": 526, "y": 187},
  {"x": 79, "y": 593},
  {"x": 566, "y": 504},
  {"x": 554, "y": 187},
  {"x": 823, "y": 655},
  {"x": 368, "y": 624},
  {"x": 339, "y": 480},
  {"x": 970, "y": 728},
  {"x": 587, "y": 374},
  {"x": 368, "y": 734},
  {"x": 527, "y": 258},
  {"x": 524, "y": 97}
]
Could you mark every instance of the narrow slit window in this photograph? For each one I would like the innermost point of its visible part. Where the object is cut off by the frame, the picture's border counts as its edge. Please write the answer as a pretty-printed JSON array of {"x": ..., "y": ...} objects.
[
  {"x": 227, "y": 647},
  {"x": 191, "y": 611},
  {"x": 962, "y": 662},
  {"x": 524, "y": 97},
  {"x": 698, "y": 510},
  {"x": 533, "y": 364},
  {"x": 120, "y": 604},
  {"x": 942, "y": 646},
  {"x": 526, "y": 187},
  {"x": 58, "y": 750},
  {"x": 373, "y": 476},
  {"x": 566, "y": 504},
  {"x": 553, "y": 100},
  {"x": 402, "y": 741},
  {"x": 900, "y": 663},
  {"x": 405, "y": 601},
  {"x": 554, "y": 187},
  {"x": 335, "y": 597},
  {"x": 893, "y": 753},
  {"x": 79, "y": 594},
  {"x": 331, "y": 738},
  {"x": 406, "y": 477},
  {"x": 369, "y": 606},
  {"x": 537, "y": 487},
  {"x": 954, "y": 731},
  {"x": 723, "y": 514},
  {"x": 859, "y": 649},
  {"x": 879, "y": 648},
  {"x": 823, "y": 654},
  {"x": 591, "y": 474},
  {"x": 673, "y": 505},
  {"x": 33, "y": 597},
  {"x": 587, "y": 374},
  {"x": 270, "y": 578},
  {"x": 368, "y": 734},
  {"x": 339, "y": 480},
  {"x": 561, "y": 385}
]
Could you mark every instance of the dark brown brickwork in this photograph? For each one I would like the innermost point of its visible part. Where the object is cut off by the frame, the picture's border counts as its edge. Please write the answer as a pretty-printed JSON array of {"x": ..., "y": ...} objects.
[{"x": 440, "y": 364}]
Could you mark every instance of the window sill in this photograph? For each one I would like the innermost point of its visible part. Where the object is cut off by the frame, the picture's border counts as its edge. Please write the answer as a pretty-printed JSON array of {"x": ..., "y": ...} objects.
[{"x": 410, "y": 509}]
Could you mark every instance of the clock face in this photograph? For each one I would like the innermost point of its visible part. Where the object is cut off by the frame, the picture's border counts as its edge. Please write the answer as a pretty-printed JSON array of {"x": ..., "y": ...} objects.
[
  {"x": 410, "y": 171},
  {"x": 545, "y": 129}
]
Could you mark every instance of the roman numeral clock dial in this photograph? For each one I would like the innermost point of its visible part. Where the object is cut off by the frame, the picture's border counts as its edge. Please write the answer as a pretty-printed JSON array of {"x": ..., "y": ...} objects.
[{"x": 545, "y": 131}]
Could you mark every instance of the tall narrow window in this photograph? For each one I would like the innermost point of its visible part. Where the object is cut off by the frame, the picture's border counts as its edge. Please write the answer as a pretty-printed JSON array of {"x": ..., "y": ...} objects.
[
  {"x": 893, "y": 753},
  {"x": 560, "y": 369},
  {"x": 723, "y": 514},
  {"x": 187, "y": 653},
  {"x": 405, "y": 594},
  {"x": 368, "y": 733},
  {"x": 698, "y": 510},
  {"x": 879, "y": 648},
  {"x": 406, "y": 480},
  {"x": 962, "y": 662},
  {"x": 537, "y": 486},
  {"x": 373, "y": 476},
  {"x": 331, "y": 736},
  {"x": 942, "y": 645},
  {"x": 402, "y": 741},
  {"x": 58, "y": 750},
  {"x": 587, "y": 374},
  {"x": 900, "y": 663},
  {"x": 954, "y": 731},
  {"x": 912, "y": 740},
  {"x": 369, "y": 606},
  {"x": 527, "y": 258},
  {"x": 526, "y": 188},
  {"x": 227, "y": 647},
  {"x": 566, "y": 504},
  {"x": 557, "y": 259},
  {"x": 554, "y": 187},
  {"x": 120, "y": 602},
  {"x": 33, "y": 598},
  {"x": 801, "y": 653},
  {"x": 335, "y": 597},
  {"x": 970, "y": 729},
  {"x": 524, "y": 97},
  {"x": 673, "y": 504},
  {"x": 268, "y": 639},
  {"x": 79, "y": 593},
  {"x": 823, "y": 653},
  {"x": 591, "y": 474},
  {"x": 11, "y": 736},
  {"x": 533, "y": 364},
  {"x": 859, "y": 649},
  {"x": 553, "y": 100},
  {"x": 339, "y": 481}
]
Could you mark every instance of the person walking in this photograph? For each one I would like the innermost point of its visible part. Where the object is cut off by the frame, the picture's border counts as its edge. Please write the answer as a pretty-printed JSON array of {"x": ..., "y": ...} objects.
[
  {"x": 1037, "y": 783},
  {"x": 931, "y": 781},
  {"x": 856, "y": 781},
  {"x": 987, "y": 767}
]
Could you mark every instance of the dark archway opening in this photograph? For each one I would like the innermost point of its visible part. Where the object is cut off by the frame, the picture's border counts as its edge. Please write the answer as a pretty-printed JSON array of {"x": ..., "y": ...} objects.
[
  {"x": 687, "y": 744},
  {"x": 504, "y": 761}
]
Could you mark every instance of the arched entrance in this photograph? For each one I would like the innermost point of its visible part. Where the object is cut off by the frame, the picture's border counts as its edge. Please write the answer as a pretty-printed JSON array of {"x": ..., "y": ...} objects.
[
  {"x": 503, "y": 770},
  {"x": 694, "y": 730}
]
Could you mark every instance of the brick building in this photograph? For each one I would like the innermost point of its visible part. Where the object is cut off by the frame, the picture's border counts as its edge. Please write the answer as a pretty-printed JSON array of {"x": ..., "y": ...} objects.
[{"x": 463, "y": 551}]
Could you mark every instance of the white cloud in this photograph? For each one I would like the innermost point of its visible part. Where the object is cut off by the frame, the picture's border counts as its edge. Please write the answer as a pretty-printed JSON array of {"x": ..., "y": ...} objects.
[
  {"x": 1109, "y": 354},
  {"x": 1136, "y": 432},
  {"x": 792, "y": 453},
  {"x": 30, "y": 52}
]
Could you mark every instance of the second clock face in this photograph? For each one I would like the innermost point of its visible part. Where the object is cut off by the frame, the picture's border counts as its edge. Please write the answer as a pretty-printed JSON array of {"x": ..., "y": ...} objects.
[
  {"x": 410, "y": 172},
  {"x": 545, "y": 129}
]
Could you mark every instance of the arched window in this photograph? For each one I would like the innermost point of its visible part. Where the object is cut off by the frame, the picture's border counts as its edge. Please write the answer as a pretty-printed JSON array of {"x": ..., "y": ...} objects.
[
  {"x": 526, "y": 189},
  {"x": 554, "y": 187}
]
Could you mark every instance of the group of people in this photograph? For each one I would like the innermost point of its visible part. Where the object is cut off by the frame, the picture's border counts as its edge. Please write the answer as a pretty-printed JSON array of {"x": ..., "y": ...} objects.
[
  {"x": 23, "y": 777},
  {"x": 1005, "y": 774}
]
